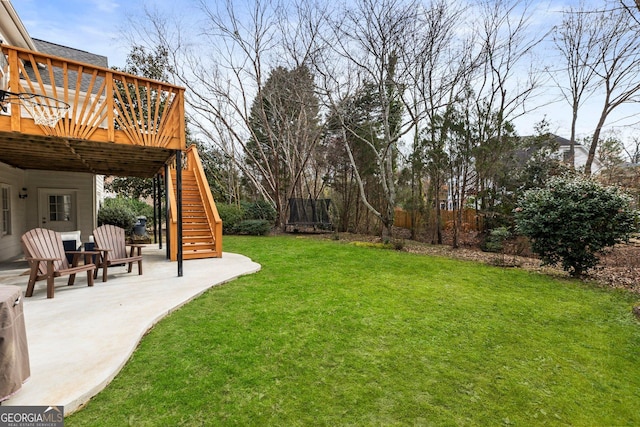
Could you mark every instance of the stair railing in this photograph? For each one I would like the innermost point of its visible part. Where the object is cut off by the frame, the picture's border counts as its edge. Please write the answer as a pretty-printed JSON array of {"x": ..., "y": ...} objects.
[
  {"x": 213, "y": 217},
  {"x": 192, "y": 162}
]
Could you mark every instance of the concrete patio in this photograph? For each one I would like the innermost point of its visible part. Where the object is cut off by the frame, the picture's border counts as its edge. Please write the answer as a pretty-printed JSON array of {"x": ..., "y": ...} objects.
[{"x": 79, "y": 340}]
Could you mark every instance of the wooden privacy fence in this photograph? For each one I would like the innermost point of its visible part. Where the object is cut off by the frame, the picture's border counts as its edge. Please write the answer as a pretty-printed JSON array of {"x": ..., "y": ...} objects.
[{"x": 471, "y": 221}]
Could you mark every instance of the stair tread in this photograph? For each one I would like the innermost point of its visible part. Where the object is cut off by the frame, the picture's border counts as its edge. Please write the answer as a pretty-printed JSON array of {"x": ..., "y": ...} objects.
[{"x": 198, "y": 239}]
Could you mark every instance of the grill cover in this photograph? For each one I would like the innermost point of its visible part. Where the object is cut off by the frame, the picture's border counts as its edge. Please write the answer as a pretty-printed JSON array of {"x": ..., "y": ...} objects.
[{"x": 14, "y": 354}]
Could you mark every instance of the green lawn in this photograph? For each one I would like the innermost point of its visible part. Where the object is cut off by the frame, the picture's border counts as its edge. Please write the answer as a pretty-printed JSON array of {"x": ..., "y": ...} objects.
[{"x": 329, "y": 334}]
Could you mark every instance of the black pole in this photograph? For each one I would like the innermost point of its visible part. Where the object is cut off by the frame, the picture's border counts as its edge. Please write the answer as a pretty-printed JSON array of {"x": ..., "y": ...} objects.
[
  {"x": 168, "y": 208},
  {"x": 179, "y": 203},
  {"x": 155, "y": 208},
  {"x": 159, "y": 184}
]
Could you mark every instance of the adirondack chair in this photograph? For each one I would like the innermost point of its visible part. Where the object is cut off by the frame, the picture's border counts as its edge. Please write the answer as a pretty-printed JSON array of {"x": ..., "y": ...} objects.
[
  {"x": 44, "y": 251},
  {"x": 111, "y": 242}
]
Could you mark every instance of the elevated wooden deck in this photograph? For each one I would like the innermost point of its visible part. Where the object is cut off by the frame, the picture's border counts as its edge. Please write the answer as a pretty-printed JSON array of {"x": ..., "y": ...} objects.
[{"x": 118, "y": 124}]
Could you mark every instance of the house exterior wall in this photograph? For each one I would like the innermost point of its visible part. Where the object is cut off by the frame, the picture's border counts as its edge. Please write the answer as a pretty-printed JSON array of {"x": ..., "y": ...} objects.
[
  {"x": 14, "y": 180},
  {"x": 100, "y": 192},
  {"x": 82, "y": 183},
  {"x": 581, "y": 154},
  {"x": 25, "y": 213},
  {"x": 88, "y": 189}
]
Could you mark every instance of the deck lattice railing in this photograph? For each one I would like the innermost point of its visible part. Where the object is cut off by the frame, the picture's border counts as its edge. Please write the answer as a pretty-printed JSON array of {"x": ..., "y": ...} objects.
[{"x": 106, "y": 105}]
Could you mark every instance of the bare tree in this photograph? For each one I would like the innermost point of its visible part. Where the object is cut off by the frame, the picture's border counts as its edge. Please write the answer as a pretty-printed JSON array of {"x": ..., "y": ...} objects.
[
  {"x": 616, "y": 67},
  {"x": 503, "y": 87},
  {"x": 632, "y": 149},
  {"x": 365, "y": 42},
  {"x": 577, "y": 40},
  {"x": 268, "y": 134},
  {"x": 440, "y": 61},
  {"x": 633, "y": 8}
]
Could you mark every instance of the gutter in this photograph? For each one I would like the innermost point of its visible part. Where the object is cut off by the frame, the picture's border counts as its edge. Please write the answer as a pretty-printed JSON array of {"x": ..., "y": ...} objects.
[{"x": 22, "y": 30}]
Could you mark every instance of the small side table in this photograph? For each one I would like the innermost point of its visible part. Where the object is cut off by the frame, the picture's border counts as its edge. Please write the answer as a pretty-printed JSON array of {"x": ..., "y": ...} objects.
[{"x": 100, "y": 260}]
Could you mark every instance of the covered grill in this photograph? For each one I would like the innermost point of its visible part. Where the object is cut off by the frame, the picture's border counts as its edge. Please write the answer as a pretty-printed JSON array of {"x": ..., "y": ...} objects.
[{"x": 14, "y": 354}]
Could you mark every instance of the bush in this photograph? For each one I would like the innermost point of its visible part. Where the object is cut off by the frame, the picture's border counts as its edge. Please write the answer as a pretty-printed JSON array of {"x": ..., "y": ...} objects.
[
  {"x": 231, "y": 215},
  {"x": 253, "y": 227},
  {"x": 573, "y": 220},
  {"x": 141, "y": 208},
  {"x": 260, "y": 209},
  {"x": 494, "y": 242},
  {"x": 116, "y": 211},
  {"x": 248, "y": 218},
  {"x": 118, "y": 214}
]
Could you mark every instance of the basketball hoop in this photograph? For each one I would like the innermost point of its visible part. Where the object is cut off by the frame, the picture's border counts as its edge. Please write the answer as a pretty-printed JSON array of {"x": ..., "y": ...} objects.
[{"x": 45, "y": 110}]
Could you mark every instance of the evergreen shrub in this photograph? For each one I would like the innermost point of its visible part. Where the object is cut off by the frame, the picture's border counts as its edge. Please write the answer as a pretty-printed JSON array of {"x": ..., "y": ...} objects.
[
  {"x": 253, "y": 227},
  {"x": 573, "y": 220},
  {"x": 117, "y": 212},
  {"x": 231, "y": 215}
]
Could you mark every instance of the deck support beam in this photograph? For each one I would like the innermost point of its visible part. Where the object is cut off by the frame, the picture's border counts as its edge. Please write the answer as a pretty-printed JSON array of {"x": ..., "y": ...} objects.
[
  {"x": 179, "y": 203},
  {"x": 157, "y": 212},
  {"x": 167, "y": 213}
]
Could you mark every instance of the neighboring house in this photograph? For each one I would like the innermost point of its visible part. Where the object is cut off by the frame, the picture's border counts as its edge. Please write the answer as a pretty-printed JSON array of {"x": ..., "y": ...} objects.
[{"x": 581, "y": 153}]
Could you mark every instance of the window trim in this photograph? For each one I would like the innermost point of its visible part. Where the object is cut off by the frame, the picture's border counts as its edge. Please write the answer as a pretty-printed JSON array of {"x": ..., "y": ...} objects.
[{"x": 5, "y": 210}]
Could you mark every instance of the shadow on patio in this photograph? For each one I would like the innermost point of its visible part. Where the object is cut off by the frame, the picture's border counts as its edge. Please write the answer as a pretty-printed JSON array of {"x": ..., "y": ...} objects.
[{"x": 79, "y": 340}]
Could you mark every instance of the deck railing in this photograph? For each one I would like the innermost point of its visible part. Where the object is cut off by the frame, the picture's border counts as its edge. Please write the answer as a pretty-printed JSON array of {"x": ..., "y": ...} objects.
[{"x": 105, "y": 105}]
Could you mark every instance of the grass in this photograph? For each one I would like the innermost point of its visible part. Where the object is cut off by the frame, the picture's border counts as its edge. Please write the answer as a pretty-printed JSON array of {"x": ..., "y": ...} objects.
[{"x": 335, "y": 334}]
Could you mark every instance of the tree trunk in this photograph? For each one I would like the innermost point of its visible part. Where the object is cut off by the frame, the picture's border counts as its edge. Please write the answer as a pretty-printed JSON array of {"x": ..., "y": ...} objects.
[
  {"x": 594, "y": 142},
  {"x": 572, "y": 149}
]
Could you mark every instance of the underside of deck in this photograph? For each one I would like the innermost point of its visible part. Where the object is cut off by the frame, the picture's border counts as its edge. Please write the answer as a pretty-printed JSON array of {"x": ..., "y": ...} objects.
[
  {"x": 114, "y": 124},
  {"x": 26, "y": 151}
]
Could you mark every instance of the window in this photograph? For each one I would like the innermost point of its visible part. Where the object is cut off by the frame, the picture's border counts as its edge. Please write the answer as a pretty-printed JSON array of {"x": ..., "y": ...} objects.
[
  {"x": 60, "y": 207},
  {"x": 6, "y": 209}
]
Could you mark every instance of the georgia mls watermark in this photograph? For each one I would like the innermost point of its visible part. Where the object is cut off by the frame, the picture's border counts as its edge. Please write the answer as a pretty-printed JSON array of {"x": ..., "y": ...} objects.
[{"x": 31, "y": 416}]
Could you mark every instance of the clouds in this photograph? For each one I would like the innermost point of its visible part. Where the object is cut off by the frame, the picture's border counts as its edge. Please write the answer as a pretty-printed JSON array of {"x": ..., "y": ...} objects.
[
  {"x": 86, "y": 25},
  {"x": 105, "y": 5},
  {"x": 97, "y": 26}
]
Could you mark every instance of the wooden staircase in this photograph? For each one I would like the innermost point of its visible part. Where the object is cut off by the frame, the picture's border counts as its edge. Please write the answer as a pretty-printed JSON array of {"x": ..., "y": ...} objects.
[{"x": 201, "y": 224}]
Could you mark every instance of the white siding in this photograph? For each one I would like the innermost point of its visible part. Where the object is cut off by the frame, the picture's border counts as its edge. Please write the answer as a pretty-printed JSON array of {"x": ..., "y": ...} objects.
[
  {"x": 14, "y": 179},
  {"x": 100, "y": 194},
  {"x": 580, "y": 159},
  {"x": 83, "y": 183}
]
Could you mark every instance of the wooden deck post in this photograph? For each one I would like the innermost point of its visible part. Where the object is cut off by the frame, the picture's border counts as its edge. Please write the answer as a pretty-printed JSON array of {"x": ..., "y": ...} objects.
[{"x": 14, "y": 85}]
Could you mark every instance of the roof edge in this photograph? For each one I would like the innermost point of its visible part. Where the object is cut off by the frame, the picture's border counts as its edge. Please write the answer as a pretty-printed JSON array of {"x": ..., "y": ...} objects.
[{"x": 19, "y": 26}]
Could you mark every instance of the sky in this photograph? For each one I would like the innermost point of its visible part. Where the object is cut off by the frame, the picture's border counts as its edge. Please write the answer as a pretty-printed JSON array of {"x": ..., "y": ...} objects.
[{"x": 97, "y": 26}]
